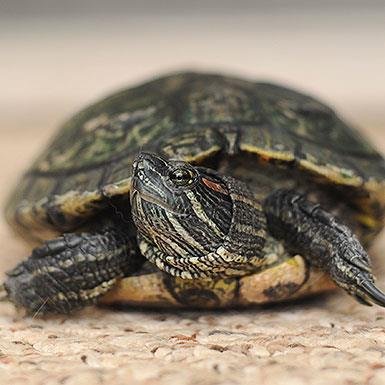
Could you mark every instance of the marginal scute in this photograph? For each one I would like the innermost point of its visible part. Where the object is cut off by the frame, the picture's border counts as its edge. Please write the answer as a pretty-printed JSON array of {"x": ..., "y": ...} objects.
[
  {"x": 142, "y": 290},
  {"x": 290, "y": 279},
  {"x": 211, "y": 293},
  {"x": 116, "y": 189},
  {"x": 274, "y": 284},
  {"x": 193, "y": 117}
]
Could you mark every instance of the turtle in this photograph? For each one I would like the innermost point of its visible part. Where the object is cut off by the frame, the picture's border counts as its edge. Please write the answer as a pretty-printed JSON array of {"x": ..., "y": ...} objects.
[{"x": 198, "y": 190}]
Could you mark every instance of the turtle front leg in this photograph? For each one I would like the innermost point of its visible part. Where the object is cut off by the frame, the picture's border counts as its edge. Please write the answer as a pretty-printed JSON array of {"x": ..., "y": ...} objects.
[
  {"x": 317, "y": 235},
  {"x": 72, "y": 271}
]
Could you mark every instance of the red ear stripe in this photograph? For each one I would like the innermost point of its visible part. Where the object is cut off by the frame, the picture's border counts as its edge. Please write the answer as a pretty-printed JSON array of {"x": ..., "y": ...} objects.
[{"x": 218, "y": 187}]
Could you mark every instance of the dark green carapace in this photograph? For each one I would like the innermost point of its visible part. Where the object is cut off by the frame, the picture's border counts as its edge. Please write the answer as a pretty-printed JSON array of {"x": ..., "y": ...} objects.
[{"x": 198, "y": 190}]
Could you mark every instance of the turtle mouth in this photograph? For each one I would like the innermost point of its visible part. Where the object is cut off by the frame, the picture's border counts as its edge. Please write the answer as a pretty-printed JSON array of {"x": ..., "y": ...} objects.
[
  {"x": 147, "y": 182},
  {"x": 137, "y": 195}
]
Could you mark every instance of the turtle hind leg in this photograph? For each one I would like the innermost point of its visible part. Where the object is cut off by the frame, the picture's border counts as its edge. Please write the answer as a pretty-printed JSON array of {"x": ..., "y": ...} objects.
[
  {"x": 72, "y": 271},
  {"x": 314, "y": 233}
]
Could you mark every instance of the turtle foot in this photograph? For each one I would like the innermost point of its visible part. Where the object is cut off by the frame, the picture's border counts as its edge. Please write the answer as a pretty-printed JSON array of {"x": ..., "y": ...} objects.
[{"x": 324, "y": 241}]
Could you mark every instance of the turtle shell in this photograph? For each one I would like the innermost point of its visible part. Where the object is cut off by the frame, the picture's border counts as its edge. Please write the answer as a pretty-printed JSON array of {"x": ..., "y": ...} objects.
[{"x": 194, "y": 117}]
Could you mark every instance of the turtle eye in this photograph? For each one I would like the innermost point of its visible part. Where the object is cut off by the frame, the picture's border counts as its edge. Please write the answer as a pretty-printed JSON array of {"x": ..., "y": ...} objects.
[{"x": 182, "y": 176}]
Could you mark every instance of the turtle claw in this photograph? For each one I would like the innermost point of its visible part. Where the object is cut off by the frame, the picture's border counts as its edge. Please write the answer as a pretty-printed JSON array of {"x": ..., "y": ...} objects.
[
  {"x": 372, "y": 294},
  {"x": 360, "y": 263},
  {"x": 357, "y": 279}
]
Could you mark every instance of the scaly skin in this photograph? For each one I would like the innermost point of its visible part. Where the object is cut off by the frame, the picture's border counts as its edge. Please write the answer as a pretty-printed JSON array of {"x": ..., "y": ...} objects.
[
  {"x": 309, "y": 230},
  {"x": 72, "y": 271}
]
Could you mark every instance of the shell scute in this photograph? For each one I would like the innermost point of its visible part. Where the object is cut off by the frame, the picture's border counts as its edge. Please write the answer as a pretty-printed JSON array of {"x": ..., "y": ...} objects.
[{"x": 194, "y": 117}]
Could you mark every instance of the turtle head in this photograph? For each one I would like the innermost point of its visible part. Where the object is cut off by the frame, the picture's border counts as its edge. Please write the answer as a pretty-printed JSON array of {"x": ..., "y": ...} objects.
[{"x": 193, "y": 222}]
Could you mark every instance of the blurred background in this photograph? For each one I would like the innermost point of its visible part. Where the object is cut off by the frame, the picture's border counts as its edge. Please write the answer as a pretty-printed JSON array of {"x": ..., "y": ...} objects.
[{"x": 58, "y": 56}]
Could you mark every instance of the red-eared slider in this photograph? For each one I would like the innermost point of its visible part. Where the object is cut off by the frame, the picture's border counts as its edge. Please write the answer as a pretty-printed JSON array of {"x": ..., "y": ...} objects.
[{"x": 198, "y": 190}]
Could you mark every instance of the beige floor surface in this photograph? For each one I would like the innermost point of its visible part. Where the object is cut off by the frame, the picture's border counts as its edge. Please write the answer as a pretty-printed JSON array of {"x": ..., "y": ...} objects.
[{"x": 326, "y": 340}]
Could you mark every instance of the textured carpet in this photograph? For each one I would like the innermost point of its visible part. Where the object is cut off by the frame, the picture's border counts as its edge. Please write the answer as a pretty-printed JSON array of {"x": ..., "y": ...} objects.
[{"x": 321, "y": 341}]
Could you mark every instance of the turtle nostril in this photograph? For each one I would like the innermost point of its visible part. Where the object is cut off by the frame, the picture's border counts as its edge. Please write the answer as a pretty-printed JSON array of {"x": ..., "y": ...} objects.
[{"x": 140, "y": 163}]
